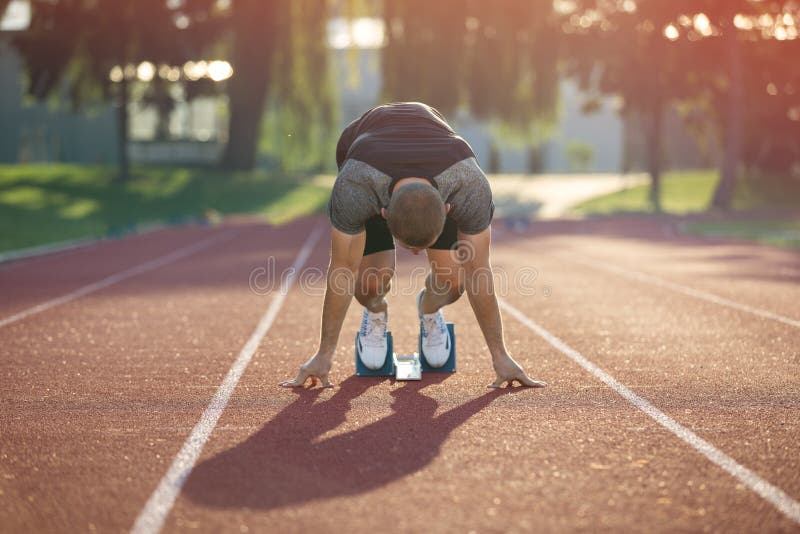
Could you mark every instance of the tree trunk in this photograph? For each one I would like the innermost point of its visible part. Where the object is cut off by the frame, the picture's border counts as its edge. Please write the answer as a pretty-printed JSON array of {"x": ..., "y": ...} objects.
[
  {"x": 626, "y": 163},
  {"x": 494, "y": 158},
  {"x": 731, "y": 155},
  {"x": 536, "y": 160},
  {"x": 164, "y": 105},
  {"x": 655, "y": 136},
  {"x": 255, "y": 29},
  {"x": 123, "y": 161}
]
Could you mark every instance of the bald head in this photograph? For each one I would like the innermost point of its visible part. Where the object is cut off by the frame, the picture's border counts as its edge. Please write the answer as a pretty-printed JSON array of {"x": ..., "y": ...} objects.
[{"x": 416, "y": 214}]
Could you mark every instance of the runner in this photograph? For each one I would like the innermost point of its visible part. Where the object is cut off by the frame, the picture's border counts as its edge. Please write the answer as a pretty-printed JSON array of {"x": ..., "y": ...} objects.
[{"x": 406, "y": 178}]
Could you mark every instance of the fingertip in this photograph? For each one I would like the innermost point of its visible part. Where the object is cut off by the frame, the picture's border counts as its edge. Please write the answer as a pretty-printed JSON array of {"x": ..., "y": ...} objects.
[{"x": 536, "y": 384}]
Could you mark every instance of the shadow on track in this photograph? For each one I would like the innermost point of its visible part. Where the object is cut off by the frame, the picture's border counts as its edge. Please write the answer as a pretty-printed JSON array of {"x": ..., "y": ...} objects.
[{"x": 284, "y": 463}]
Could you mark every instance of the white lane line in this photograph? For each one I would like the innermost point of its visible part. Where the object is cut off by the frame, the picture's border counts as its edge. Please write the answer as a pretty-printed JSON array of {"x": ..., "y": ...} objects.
[
  {"x": 120, "y": 276},
  {"x": 50, "y": 250},
  {"x": 680, "y": 288},
  {"x": 26, "y": 256},
  {"x": 772, "y": 494},
  {"x": 151, "y": 518}
]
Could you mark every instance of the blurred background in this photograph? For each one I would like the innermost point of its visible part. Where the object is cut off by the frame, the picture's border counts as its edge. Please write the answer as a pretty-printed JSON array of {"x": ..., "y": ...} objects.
[{"x": 120, "y": 114}]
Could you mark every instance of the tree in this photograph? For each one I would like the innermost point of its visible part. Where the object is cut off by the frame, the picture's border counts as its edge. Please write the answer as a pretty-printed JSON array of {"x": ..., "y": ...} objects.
[
  {"x": 279, "y": 55},
  {"x": 80, "y": 42},
  {"x": 254, "y": 32},
  {"x": 619, "y": 48},
  {"x": 299, "y": 129},
  {"x": 424, "y": 56},
  {"x": 580, "y": 156},
  {"x": 760, "y": 127},
  {"x": 498, "y": 60},
  {"x": 654, "y": 54},
  {"x": 771, "y": 140}
]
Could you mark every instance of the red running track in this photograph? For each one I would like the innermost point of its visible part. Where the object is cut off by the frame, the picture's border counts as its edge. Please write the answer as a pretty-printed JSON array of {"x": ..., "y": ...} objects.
[{"x": 101, "y": 392}]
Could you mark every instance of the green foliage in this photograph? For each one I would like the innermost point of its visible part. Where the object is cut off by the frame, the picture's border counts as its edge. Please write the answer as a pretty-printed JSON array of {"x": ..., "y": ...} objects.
[
  {"x": 765, "y": 189},
  {"x": 779, "y": 233},
  {"x": 278, "y": 49},
  {"x": 719, "y": 62},
  {"x": 580, "y": 156},
  {"x": 73, "y": 45},
  {"x": 500, "y": 60},
  {"x": 79, "y": 41},
  {"x": 282, "y": 97},
  {"x": 299, "y": 127},
  {"x": 496, "y": 59},
  {"x": 48, "y": 203},
  {"x": 683, "y": 192},
  {"x": 691, "y": 192}
]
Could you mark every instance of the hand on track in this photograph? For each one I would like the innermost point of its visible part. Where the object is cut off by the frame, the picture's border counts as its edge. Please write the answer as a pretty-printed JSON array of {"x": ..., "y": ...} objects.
[
  {"x": 509, "y": 371},
  {"x": 316, "y": 368}
]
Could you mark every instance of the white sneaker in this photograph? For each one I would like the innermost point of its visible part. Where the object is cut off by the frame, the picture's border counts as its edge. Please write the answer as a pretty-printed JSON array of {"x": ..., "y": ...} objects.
[
  {"x": 372, "y": 342},
  {"x": 435, "y": 336}
]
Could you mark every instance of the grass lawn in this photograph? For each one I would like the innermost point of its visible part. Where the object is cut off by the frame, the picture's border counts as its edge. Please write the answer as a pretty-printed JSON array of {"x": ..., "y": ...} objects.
[
  {"x": 681, "y": 192},
  {"x": 691, "y": 192},
  {"x": 45, "y": 203},
  {"x": 777, "y": 233}
]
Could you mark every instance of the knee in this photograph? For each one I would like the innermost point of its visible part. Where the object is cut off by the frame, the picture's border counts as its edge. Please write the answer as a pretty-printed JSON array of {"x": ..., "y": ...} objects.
[
  {"x": 449, "y": 288},
  {"x": 373, "y": 285},
  {"x": 455, "y": 293}
]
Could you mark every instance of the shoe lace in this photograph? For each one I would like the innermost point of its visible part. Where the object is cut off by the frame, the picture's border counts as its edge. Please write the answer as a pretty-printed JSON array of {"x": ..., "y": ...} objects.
[
  {"x": 372, "y": 331},
  {"x": 433, "y": 329}
]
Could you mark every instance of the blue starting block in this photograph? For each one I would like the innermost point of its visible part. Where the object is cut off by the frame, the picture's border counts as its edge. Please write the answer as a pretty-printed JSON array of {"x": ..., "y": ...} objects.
[
  {"x": 388, "y": 364},
  {"x": 450, "y": 365},
  {"x": 408, "y": 367}
]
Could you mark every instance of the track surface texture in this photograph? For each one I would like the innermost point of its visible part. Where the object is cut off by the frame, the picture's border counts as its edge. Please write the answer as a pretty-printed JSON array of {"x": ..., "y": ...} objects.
[{"x": 102, "y": 389}]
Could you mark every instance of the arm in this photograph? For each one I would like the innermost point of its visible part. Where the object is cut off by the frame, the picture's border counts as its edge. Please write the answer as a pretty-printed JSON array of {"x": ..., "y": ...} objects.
[
  {"x": 346, "y": 252},
  {"x": 482, "y": 298}
]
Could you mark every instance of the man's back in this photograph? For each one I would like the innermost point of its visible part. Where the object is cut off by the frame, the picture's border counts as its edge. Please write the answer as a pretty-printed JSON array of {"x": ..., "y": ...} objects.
[{"x": 403, "y": 139}]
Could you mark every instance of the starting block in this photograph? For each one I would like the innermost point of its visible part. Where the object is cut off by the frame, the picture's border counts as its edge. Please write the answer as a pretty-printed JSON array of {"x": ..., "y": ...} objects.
[
  {"x": 450, "y": 365},
  {"x": 388, "y": 365},
  {"x": 407, "y": 367}
]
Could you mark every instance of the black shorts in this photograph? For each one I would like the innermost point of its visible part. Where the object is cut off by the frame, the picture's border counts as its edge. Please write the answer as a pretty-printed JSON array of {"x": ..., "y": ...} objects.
[{"x": 380, "y": 238}]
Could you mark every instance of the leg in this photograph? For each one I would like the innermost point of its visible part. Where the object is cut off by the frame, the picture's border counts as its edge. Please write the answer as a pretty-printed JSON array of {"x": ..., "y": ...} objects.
[
  {"x": 372, "y": 284},
  {"x": 445, "y": 282},
  {"x": 444, "y": 285},
  {"x": 374, "y": 280}
]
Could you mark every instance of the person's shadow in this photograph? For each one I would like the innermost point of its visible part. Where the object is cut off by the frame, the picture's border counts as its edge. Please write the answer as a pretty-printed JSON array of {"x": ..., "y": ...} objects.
[{"x": 285, "y": 464}]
